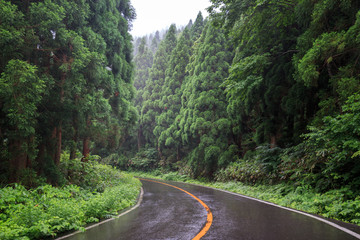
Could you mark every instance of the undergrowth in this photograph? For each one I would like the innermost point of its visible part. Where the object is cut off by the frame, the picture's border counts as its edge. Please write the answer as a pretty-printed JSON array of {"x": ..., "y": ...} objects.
[{"x": 93, "y": 192}]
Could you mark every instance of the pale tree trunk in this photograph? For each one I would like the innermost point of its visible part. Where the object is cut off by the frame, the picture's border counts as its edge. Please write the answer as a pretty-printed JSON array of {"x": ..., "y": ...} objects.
[
  {"x": 75, "y": 137},
  {"x": 274, "y": 138},
  {"x": 273, "y": 141},
  {"x": 86, "y": 140}
]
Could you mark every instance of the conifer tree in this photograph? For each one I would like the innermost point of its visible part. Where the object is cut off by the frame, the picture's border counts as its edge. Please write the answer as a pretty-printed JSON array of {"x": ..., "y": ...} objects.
[
  {"x": 152, "y": 106},
  {"x": 171, "y": 97},
  {"x": 78, "y": 58},
  {"x": 111, "y": 19},
  {"x": 203, "y": 122},
  {"x": 154, "y": 45},
  {"x": 143, "y": 62},
  {"x": 197, "y": 28}
]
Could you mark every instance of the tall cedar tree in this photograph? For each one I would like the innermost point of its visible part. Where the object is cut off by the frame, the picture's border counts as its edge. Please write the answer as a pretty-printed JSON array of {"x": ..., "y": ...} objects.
[
  {"x": 171, "y": 98},
  {"x": 203, "y": 122},
  {"x": 77, "y": 80},
  {"x": 152, "y": 106},
  {"x": 143, "y": 62}
]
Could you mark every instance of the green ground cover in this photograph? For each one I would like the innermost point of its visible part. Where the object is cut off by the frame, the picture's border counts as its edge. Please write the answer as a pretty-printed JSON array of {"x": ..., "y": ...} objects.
[{"x": 91, "y": 192}]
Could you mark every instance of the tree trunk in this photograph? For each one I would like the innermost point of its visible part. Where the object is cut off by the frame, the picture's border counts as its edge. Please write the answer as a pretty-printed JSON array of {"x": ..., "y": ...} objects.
[
  {"x": 139, "y": 138},
  {"x": 59, "y": 127},
  {"x": 159, "y": 150},
  {"x": 275, "y": 138},
  {"x": 75, "y": 137},
  {"x": 86, "y": 139},
  {"x": 177, "y": 154},
  {"x": 86, "y": 148},
  {"x": 273, "y": 141},
  {"x": 58, "y": 144},
  {"x": 40, "y": 158},
  {"x": 18, "y": 161}
]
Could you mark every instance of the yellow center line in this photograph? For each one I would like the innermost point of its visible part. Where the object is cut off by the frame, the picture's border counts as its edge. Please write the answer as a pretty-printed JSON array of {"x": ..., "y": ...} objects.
[{"x": 209, "y": 219}]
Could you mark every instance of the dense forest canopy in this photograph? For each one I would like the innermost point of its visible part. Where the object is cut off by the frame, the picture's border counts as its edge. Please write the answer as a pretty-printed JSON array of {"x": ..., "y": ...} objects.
[
  {"x": 66, "y": 81},
  {"x": 259, "y": 91}
]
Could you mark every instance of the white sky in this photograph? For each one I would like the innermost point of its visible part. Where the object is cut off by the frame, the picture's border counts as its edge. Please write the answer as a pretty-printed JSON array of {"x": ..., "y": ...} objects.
[{"x": 153, "y": 15}]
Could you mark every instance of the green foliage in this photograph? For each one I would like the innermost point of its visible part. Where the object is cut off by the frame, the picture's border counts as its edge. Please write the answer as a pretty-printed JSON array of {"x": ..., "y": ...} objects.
[
  {"x": 145, "y": 160},
  {"x": 20, "y": 94},
  {"x": 245, "y": 171},
  {"x": 29, "y": 178},
  {"x": 260, "y": 166},
  {"x": 46, "y": 211},
  {"x": 202, "y": 123},
  {"x": 174, "y": 176},
  {"x": 20, "y": 91},
  {"x": 75, "y": 85},
  {"x": 11, "y": 32},
  {"x": 246, "y": 75},
  {"x": 152, "y": 106},
  {"x": 159, "y": 174},
  {"x": 336, "y": 144}
]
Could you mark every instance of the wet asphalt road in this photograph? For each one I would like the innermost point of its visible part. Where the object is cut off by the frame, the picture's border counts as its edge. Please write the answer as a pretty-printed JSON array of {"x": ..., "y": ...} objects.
[{"x": 168, "y": 213}]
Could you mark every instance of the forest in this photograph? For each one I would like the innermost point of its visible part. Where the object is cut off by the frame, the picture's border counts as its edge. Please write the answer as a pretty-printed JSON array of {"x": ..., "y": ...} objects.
[{"x": 259, "y": 92}]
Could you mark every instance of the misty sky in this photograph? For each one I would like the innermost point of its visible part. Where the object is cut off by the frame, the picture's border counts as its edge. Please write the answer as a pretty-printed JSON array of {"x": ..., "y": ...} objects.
[{"x": 155, "y": 15}]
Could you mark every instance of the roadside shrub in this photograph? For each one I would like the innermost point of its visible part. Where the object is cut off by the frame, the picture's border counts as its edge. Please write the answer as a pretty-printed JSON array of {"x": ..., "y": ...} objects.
[
  {"x": 244, "y": 171},
  {"x": 145, "y": 160},
  {"x": 30, "y": 179},
  {"x": 45, "y": 211},
  {"x": 268, "y": 157},
  {"x": 335, "y": 146},
  {"x": 90, "y": 174},
  {"x": 175, "y": 176}
]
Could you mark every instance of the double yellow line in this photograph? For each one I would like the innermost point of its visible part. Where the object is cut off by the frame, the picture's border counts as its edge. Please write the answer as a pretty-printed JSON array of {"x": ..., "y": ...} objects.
[{"x": 209, "y": 219}]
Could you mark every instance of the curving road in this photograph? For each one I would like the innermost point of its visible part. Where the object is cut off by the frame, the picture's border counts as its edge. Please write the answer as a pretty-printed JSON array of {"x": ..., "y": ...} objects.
[{"x": 175, "y": 212}]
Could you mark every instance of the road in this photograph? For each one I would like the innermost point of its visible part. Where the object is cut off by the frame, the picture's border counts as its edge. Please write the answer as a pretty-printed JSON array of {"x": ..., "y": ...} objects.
[{"x": 179, "y": 211}]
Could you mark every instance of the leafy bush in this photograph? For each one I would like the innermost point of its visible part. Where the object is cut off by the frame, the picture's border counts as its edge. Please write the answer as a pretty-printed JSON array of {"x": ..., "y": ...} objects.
[
  {"x": 335, "y": 146},
  {"x": 174, "y": 176},
  {"x": 29, "y": 178},
  {"x": 268, "y": 157},
  {"x": 244, "y": 171},
  {"x": 90, "y": 174},
  {"x": 257, "y": 166},
  {"x": 145, "y": 160},
  {"x": 45, "y": 211}
]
